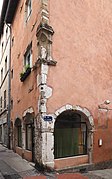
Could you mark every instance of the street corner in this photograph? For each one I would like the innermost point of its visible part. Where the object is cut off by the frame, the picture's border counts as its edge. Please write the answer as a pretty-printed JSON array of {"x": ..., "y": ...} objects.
[{"x": 60, "y": 176}]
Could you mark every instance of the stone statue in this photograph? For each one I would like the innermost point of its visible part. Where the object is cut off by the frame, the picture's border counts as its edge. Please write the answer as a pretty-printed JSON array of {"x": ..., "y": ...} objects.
[{"x": 43, "y": 53}]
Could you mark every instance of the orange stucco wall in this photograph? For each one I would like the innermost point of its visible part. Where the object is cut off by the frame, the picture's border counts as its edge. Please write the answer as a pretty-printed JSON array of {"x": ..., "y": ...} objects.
[
  {"x": 24, "y": 94},
  {"x": 82, "y": 45}
]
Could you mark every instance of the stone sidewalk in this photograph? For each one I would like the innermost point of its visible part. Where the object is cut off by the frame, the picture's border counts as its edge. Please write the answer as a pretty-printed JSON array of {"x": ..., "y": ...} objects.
[
  {"x": 60, "y": 176},
  {"x": 100, "y": 174},
  {"x": 12, "y": 166}
]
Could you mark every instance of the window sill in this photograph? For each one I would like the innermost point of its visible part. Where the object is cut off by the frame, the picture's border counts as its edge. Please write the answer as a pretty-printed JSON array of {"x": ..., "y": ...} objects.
[
  {"x": 28, "y": 150},
  {"x": 25, "y": 75}
]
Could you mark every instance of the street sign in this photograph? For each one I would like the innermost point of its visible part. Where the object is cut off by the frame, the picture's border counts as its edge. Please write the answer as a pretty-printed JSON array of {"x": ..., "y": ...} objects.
[{"x": 48, "y": 118}]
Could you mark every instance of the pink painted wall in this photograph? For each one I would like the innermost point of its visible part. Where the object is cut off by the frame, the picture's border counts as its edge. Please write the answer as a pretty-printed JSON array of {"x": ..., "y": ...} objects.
[
  {"x": 24, "y": 33},
  {"x": 24, "y": 94},
  {"x": 82, "y": 46}
]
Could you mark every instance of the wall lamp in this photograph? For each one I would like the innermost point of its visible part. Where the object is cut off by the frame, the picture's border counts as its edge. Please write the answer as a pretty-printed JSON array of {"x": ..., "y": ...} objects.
[{"x": 106, "y": 102}]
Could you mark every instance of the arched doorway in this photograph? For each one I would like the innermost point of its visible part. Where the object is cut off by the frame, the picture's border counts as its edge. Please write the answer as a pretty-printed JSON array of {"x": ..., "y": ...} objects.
[{"x": 70, "y": 135}]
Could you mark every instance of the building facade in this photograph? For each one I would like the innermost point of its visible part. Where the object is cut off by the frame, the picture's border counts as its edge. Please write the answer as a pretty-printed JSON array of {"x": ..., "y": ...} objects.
[
  {"x": 4, "y": 83},
  {"x": 61, "y": 84}
]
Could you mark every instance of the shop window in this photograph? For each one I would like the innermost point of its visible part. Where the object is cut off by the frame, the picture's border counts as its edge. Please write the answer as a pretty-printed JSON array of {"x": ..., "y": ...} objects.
[
  {"x": 18, "y": 132},
  {"x": 29, "y": 122},
  {"x": 70, "y": 135},
  {"x": 19, "y": 128},
  {"x": 29, "y": 137},
  {"x": 5, "y": 135},
  {"x": 28, "y": 9}
]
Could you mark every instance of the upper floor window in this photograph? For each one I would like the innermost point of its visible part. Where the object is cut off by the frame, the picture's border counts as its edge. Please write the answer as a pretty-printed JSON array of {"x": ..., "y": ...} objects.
[
  {"x": 2, "y": 46},
  {"x": 12, "y": 73},
  {"x": 4, "y": 99},
  {"x": 1, "y": 103},
  {"x": 1, "y": 74},
  {"x": 6, "y": 65},
  {"x": 28, "y": 56},
  {"x": 12, "y": 41},
  {"x": 28, "y": 9},
  {"x": 11, "y": 103},
  {"x": 6, "y": 33}
]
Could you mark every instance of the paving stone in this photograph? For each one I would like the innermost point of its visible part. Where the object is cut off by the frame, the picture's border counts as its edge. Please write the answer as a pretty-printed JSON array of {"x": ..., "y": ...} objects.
[
  {"x": 12, "y": 176},
  {"x": 35, "y": 177}
]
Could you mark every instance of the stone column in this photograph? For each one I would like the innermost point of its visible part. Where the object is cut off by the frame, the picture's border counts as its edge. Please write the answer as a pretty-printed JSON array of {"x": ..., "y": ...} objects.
[
  {"x": 44, "y": 134},
  {"x": 48, "y": 143}
]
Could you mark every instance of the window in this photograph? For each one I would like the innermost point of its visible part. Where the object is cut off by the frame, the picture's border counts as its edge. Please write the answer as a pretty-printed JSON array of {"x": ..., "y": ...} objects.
[
  {"x": 29, "y": 137},
  {"x": 28, "y": 9},
  {"x": 6, "y": 34},
  {"x": 6, "y": 65},
  {"x": 2, "y": 46},
  {"x": 1, "y": 104},
  {"x": 11, "y": 103},
  {"x": 29, "y": 122},
  {"x": 12, "y": 41},
  {"x": 28, "y": 56},
  {"x": 1, "y": 74},
  {"x": 4, "y": 99},
  {"x": 18, "y": 132},
  {"x": 12, "y": 73},
  {"x": 70, "y": 135},
  {"x": 19, "y": 128}
]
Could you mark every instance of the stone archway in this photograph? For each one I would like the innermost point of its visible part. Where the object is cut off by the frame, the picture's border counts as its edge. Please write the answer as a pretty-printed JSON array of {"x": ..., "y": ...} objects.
[{"x": 90, "y": 124}]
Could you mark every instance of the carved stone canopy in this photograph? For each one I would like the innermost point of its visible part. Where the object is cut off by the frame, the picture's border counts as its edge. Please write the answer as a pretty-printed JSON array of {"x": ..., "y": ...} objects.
[
  {"x": 44, "y": 28},
  {"x": 44, "y": 37}
]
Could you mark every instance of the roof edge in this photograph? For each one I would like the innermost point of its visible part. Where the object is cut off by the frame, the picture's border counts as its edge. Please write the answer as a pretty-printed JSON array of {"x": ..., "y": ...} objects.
[{"x": 7, "y": 13}]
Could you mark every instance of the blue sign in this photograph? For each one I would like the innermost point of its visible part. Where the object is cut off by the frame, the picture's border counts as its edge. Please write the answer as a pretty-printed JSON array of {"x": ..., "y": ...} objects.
[{"x": 48, "y": 118}]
